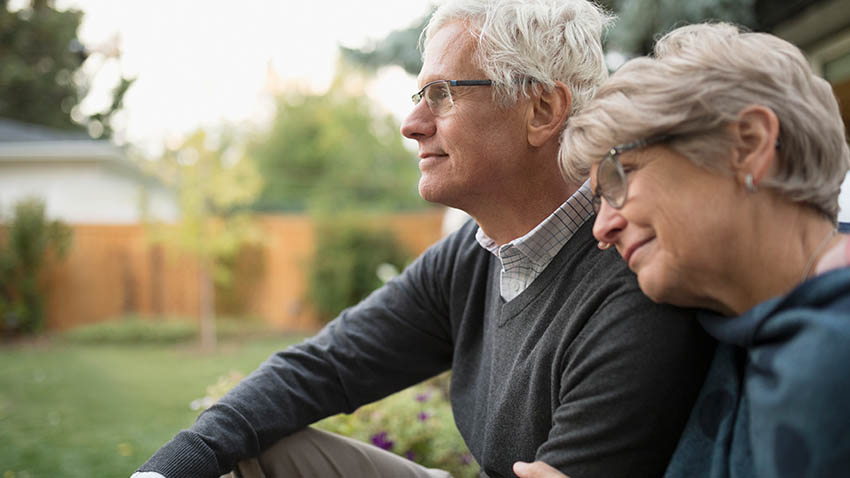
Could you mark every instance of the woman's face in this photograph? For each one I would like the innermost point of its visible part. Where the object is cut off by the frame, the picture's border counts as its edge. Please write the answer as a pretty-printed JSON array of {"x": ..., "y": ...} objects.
[{"x": 676, "y": 229}]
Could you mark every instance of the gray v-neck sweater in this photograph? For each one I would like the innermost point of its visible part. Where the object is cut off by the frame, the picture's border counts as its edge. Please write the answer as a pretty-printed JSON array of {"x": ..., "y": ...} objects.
[{"x": 580, "y": 370}]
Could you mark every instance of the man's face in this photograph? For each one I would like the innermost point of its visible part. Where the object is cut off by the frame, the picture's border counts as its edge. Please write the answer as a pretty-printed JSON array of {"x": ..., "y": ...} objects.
[{"x": 471, "y": 156}]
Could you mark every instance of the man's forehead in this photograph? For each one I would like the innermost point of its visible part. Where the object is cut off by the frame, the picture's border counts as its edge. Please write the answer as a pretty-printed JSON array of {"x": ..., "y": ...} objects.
[{"x": 448, "y": 54}]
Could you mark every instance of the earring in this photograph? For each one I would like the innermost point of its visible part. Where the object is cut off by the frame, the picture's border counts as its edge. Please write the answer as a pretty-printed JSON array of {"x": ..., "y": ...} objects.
[
  {"x": 603, "y": 245},
  {"x": 749, "y": 184}
]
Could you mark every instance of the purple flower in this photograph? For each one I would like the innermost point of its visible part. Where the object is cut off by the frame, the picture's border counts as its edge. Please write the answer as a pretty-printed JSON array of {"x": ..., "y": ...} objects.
[
  {"x": 423, "y": 397},
  {"x": 422, "y": 416},
  {"x": 410, "y": 455},
  {"x": 466, "y": 459},
  {"x": 381, "y": 441}
]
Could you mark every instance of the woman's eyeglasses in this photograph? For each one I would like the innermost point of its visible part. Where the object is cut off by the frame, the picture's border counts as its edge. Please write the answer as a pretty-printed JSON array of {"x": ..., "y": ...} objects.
[{"x": 612, "y": 183}]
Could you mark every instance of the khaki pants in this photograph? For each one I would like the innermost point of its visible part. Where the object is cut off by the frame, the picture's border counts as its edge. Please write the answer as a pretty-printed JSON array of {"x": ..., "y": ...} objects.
[{"x": 312, "y": 453}]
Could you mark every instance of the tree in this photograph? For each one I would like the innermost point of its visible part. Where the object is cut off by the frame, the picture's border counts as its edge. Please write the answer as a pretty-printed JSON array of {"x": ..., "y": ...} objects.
[
  {"x": 332, "y": 152},
  {"x": 215, "y": 184},
  {"x": 41, "y": 79},
  {"x": 399, "y": 47},
  {"x": 642, "y": 21}
]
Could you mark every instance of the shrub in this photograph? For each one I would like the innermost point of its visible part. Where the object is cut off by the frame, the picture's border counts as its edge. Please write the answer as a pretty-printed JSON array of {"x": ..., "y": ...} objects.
[
  {"x": 134, "y": 331},
  {"x": 148, "y": 330},
  {"x": 416, "y": 423},
  {"x": 344, "y": 269},
  {"x": 30, "y": 240}
]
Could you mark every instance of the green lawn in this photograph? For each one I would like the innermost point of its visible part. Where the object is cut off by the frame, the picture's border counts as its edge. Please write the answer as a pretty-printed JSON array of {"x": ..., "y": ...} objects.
[{"x": 70, "y": 410}]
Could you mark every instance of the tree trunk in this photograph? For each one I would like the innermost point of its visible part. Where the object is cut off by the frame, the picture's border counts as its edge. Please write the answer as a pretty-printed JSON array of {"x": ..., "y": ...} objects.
[{"x": 207, "y": 308}]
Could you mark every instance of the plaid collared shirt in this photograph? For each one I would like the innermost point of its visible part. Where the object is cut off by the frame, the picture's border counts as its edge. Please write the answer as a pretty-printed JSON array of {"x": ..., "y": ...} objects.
[{"x": 523, "y": 259}]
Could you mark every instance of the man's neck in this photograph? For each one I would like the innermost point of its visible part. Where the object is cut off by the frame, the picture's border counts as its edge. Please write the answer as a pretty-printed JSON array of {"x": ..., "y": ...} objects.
[{"x": 508, "y": 219}]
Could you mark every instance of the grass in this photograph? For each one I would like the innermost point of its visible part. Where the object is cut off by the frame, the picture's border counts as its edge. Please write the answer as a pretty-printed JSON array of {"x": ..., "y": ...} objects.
[{"x": 77, "y": 410}]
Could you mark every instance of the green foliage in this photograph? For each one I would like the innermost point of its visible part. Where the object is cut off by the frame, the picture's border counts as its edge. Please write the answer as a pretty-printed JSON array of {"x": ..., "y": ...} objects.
[
  {"x": 416, "y": 423},
  {"x": 345, "y": 267},
  {"x": 132, "y": 330},
  {"x": 215, "y": 184},
  {"x": 331, "y": 152},
  {"x": 41, "y": 78},
  {"x": 399, "y": 47},
  {"x": 31, "y": 239},
  {"x": 641, "y": 22}
]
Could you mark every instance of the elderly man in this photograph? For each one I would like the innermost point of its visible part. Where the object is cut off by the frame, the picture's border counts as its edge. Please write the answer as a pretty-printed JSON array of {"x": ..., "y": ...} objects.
[{"x": 555, "y": 353}]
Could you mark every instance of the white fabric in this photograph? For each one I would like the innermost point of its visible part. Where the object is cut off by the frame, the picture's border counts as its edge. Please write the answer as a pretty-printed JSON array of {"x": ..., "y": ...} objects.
[{"x": 523, "y": 259}]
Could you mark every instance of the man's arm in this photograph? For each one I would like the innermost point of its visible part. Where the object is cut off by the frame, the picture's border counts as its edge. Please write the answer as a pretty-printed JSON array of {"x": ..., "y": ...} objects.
[
  {"x": 396, "y": 337},
  {"x": 628, "y": 385}
]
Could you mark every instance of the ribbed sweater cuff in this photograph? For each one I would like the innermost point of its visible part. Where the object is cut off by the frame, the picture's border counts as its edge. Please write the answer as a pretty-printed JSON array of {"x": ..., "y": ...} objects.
[{"x": 185, "y": 456}]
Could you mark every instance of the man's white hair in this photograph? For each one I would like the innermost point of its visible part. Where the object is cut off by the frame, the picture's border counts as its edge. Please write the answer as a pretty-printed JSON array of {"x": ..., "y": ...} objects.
[{"x": 523, "y": 45}]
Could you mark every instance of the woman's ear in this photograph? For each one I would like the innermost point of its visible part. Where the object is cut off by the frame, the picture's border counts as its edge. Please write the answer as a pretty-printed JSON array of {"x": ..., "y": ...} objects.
[
  {"x": 756, "y": 135},
  {"x": 548, "y": 113}
]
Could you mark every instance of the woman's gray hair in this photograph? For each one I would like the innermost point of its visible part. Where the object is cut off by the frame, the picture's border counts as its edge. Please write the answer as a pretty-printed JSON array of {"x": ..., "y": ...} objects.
[
  {"x": 523, "y": 45},
  {"x": 698, "y": 81}
]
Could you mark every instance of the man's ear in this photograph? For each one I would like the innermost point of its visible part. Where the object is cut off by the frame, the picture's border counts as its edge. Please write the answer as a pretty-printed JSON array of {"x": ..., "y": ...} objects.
[
  {"x": 547, "y": 114},
  {"x": 756, "y": 134}
]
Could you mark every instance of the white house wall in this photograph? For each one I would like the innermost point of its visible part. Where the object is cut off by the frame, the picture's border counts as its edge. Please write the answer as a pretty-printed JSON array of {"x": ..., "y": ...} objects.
[{"x": 83, "y": 192}]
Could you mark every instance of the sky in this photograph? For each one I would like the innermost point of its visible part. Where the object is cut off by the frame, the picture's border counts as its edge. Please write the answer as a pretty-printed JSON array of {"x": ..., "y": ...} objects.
[{"x": 205, "y": 63}]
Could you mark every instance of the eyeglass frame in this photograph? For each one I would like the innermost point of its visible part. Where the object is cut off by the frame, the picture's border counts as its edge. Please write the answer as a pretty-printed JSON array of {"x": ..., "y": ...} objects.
[
  {"x": 419, "y": 95},
  {"x": 599, "y": 192}
]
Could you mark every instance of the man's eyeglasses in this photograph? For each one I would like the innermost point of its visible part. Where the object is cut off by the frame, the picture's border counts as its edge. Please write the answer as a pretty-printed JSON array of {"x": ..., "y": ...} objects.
[
  {"x": 438, "y": 94},
  {"x": 612, "y": 184}
]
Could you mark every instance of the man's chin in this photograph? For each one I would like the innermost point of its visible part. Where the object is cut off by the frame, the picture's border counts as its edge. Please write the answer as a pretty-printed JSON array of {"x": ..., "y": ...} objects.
[{"x": 431, "y": 193}]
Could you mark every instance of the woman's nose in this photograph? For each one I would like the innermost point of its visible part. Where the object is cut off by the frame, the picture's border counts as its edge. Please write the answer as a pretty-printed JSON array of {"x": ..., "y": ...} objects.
[{"x": 609, "y": 223}]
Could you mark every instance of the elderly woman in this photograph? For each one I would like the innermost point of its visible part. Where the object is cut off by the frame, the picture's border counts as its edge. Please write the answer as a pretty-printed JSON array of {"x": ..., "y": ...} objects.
[{"x": 716, "y": 166}]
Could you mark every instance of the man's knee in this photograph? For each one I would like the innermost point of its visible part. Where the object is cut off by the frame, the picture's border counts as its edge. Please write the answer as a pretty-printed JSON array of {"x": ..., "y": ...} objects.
[{"x": 316, "y": 453}]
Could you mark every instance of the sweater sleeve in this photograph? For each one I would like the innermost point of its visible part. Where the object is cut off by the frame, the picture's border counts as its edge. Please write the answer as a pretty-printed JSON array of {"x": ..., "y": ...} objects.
[
  {"x": 396, "y": 337},
  {"x": 627, "y": 386}
]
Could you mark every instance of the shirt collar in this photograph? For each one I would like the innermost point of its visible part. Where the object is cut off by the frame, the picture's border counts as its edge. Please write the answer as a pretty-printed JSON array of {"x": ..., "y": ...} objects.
[{"x": 552, "y": 233}]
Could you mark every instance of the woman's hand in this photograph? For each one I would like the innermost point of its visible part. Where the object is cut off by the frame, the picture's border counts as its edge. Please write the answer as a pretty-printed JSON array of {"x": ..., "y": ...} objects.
[{"x": 538, "y": 469}]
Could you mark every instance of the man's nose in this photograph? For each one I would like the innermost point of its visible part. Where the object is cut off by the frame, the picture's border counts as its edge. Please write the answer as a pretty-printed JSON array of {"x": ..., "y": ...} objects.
[{"x": 419, "y": 123}]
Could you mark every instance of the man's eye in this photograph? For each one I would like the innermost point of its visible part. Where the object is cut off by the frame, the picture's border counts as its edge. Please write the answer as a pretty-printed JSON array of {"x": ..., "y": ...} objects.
[{"x": 438, "y": 93}]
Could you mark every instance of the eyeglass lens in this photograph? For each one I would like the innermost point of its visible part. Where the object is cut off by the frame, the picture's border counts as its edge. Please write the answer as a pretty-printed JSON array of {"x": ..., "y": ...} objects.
[
  {"x": 439, "y": 98},
  {"x": 611, "y": 181}
]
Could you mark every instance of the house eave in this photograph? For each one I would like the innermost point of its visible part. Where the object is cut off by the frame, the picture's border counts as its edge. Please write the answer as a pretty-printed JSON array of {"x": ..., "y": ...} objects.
[{"x": 63, "y": 150}]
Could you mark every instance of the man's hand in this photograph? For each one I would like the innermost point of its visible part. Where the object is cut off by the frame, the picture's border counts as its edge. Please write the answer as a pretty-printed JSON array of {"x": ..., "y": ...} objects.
[{"x": 538, "y": 469}]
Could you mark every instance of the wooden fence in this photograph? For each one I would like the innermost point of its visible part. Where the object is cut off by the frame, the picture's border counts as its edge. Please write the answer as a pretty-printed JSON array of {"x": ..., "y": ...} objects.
[{"x": 112, "y": 271}]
